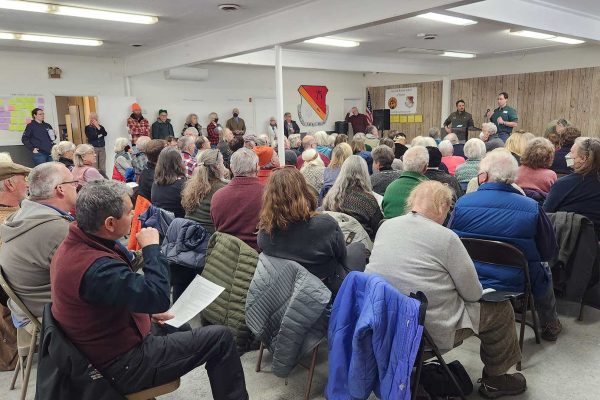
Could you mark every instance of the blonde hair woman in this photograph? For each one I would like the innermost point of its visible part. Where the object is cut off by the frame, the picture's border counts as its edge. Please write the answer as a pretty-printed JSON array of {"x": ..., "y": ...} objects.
[
  {"x": 517, "y": 142},
  {"x": 208, "y": 177},
  {"x": 211, "y": 129},
  {"x": 339, "y": 154},
  {"x": 63, "y": 152},
  {"x": 84, "y": 170}
]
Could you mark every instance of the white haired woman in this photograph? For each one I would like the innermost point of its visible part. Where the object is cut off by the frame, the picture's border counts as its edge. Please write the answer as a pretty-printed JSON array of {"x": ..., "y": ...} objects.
[
  {"x": 352, "y": 194},
  {"x": 85, "y": 170},
  {"x": 322, "y": 140},
  {"x": 191, "y": 121},
  {"x": 313, "y": 169},
  {"x": 448, "y": 158},
  {"x": 474, "y": 151},
  {"x": 122, "y": 160},
  {"x": 63, "y": 152}
]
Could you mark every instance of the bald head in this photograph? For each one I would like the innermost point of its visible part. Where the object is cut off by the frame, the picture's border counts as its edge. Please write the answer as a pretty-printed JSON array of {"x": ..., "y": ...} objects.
[{"x": 309, "y": 142}]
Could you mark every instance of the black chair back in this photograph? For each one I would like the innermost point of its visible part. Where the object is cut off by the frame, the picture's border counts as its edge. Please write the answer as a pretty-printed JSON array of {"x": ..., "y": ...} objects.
[{"x": 495, "y": 252}]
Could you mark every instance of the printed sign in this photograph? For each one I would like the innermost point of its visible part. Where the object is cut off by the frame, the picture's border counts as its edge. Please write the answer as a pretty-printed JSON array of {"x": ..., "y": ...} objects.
[
  {"x": 401, "y": 100},
  {"x": 313, "y": 109}
]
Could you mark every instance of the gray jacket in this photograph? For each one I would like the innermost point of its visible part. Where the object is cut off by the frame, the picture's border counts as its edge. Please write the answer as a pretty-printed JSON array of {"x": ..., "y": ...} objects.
[
  {"x": 30, "y": 238},
  {"x": 287, "y": 309}
]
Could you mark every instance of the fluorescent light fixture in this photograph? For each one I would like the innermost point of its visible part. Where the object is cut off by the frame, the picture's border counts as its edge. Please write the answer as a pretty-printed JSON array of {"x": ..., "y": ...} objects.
[
  {"x": 566, "y": 40},
  {"x": 77, "y": 12},
  {"x": 327, "y": 41},
  {"x": 105, "y": 15},
  {"x": 447, "y": 19},
  {"x": 531, "y": 34},
  {"x": 457, "y": 55},
  {"x": 50, "y": 39}
]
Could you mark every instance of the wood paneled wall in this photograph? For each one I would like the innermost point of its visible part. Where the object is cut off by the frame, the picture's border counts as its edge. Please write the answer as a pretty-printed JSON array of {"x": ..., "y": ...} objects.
[
  {"x": 429, "y": 104},
  {"x": 539, "y": 97}
]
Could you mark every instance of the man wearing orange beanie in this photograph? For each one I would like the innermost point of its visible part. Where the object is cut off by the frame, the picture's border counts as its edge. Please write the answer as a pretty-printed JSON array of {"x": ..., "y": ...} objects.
[{"x": 137, "y": 124}]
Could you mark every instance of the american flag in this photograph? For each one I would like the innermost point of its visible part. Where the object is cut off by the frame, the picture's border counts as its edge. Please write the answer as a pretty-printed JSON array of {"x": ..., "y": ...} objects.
[{"x": 369, "y": 109}]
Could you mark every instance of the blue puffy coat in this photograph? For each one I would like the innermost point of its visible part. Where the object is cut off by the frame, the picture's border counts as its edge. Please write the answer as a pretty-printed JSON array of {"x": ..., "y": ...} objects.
[
  {"x": 497, "y": 211},
  {"x": 374, "y": 337},
  {"x": 185, "y": 244}
]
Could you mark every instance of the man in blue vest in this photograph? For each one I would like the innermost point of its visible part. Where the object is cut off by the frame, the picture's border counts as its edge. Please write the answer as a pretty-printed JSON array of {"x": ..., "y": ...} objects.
[{"x": 498, "y": 211}]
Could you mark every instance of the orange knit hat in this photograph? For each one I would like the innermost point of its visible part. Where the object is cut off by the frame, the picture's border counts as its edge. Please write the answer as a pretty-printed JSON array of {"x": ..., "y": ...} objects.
[{"x": 135, "y": 106}]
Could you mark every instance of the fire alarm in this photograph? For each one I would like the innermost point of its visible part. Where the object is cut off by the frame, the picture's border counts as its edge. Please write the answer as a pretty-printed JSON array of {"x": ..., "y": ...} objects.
[{"x": 54, "y": 72}]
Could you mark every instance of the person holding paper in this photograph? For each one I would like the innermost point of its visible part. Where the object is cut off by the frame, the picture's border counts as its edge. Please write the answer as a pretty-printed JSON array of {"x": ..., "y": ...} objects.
[
  {"x": 106, "y": 309},
  {"x": 459, "y": 120},
  {"x": 39, "y": 138}
]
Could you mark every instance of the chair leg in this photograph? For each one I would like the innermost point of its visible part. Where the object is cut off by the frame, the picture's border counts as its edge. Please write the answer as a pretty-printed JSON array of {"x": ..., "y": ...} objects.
[
  {"x": 536, "y": 328},
  {"x": 417, "y": 378},
  {"x": 17, "y": 369},
  {"x": 260, "y": 354},
  {"x": 29, "y": 363},
  {"x": 580, "y": 316},
  {"x": 522, "y": 328},
  {"x": 311, "y": 372}
]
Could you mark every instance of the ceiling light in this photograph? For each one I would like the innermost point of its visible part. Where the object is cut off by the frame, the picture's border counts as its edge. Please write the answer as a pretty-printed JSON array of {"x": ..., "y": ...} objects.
[
  {"x": 531, "y": 34},
  {"x": 447, "y": 19},
  {"x": 77, "y": 12},
  {"x": 566, "y": 40},
  {"x": 50, "y": 39},
  {"x": 326, "y": 41},
  {"x": 457, "y": 55},
  {"x": 229, "y": 7}
]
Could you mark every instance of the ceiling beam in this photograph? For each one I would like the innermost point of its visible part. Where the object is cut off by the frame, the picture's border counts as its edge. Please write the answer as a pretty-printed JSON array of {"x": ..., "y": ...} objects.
[
  {"x": 536, "y": 15},
  {"x": 307, "y": 20},
  {"x": 342, "y": 62}
]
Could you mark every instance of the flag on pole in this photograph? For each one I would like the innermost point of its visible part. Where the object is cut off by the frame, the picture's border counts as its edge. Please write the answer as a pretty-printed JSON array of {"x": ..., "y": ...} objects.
[{"x": 369, "y": 109}]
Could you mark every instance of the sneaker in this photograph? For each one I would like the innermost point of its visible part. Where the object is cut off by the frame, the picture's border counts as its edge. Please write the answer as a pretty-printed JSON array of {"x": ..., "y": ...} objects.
[
  {"x": 551, "y": 331},
  {"x": 493, "y": 387}
]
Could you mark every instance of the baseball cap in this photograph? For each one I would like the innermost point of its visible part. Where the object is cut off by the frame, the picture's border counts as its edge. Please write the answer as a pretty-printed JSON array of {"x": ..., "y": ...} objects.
[{"x": 9, "y": 169}]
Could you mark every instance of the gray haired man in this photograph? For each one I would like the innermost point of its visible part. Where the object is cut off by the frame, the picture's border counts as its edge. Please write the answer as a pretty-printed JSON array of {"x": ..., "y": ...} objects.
[
  {"x": 107, "y": 310},
  {"x": 31, "y": 236}
]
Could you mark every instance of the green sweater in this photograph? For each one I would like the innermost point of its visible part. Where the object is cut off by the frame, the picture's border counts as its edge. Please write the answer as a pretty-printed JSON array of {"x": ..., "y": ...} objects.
[{"x": 396, "y": 194}]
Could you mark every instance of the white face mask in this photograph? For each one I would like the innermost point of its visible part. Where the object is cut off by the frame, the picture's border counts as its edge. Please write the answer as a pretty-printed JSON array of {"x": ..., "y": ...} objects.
[{"x": 570, "y": 161}]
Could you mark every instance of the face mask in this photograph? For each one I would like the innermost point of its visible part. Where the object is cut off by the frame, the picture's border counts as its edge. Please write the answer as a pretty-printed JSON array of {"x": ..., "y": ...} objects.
[
  {"x": 235, "y": 115},
  {"x": 216, "y": 120},
  {"x": 570, "y": 161}
]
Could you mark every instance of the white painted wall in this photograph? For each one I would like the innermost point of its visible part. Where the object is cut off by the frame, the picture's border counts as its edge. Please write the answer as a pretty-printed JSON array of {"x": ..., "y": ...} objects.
[
  {"x": 231, "y": 86},
  {"x": 27, "y": 73}
]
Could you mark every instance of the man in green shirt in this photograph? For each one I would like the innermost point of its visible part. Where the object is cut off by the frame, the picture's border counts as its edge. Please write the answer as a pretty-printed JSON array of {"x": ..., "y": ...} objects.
[
  {"x": 459, "y": 121},
  {"x": 415, "y": 164},
  {"x": 504, "y": 117}
]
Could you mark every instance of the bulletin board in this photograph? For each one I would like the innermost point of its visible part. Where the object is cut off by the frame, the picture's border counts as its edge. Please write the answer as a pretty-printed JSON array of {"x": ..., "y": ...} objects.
[{"x": 15, "y": 114}]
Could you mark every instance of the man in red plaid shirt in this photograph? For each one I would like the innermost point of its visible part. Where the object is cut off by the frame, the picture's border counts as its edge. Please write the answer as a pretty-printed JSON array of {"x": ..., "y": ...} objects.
[
  {"x": 187, "y": 146},
  {"x": 137, "y": 124}
]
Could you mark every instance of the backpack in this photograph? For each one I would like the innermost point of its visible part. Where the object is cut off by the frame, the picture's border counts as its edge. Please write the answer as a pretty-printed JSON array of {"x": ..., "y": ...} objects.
[
  {"x": 352, "y": 229},
  {"x": 437, "y": 383}
]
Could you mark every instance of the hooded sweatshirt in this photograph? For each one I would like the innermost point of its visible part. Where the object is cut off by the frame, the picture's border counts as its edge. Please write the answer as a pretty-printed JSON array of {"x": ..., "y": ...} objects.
[{"x": 29, "y": 239}]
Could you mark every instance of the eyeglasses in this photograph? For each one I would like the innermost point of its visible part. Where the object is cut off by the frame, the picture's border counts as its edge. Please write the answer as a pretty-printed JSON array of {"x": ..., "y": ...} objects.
[{"x": 73, "y": 183}]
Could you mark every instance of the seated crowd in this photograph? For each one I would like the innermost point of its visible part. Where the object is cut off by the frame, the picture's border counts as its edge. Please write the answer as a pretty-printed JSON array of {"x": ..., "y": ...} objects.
[{"x": 64, "y": 224}]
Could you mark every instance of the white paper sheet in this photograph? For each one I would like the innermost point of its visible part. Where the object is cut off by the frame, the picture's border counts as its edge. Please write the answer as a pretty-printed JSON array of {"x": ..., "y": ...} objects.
[{"x": 198, "y": 295}]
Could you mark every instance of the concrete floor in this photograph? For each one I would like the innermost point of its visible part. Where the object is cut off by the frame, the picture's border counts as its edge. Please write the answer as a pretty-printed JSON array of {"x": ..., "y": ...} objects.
[{"x": 567, "y": 369}]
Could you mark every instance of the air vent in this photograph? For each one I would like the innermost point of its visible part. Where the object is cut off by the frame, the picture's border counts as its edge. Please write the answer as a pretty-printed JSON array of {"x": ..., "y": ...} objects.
[{"x": 229, "y": 7}]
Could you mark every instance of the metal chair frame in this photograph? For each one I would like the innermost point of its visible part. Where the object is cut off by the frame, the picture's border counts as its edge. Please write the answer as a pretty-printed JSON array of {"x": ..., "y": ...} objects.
[{"x": 478, "y": 250}]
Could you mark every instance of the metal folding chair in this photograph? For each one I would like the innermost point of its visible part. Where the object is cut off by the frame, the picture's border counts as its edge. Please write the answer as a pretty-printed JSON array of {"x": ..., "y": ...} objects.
[
  {"x": 27, "y": 337},
  {"x": 504, "y": 254}
]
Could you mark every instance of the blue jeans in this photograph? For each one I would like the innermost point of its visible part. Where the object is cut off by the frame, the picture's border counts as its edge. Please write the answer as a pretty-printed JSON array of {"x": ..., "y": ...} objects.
[{"x": 40, "y": 158}]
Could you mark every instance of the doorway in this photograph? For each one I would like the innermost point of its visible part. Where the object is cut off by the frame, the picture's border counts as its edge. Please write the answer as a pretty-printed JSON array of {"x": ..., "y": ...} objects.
[{"x": 73, "y": 115}]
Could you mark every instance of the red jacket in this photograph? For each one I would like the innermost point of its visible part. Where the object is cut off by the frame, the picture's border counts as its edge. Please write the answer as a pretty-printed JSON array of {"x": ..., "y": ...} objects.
[{"x": 234, "y": 209}]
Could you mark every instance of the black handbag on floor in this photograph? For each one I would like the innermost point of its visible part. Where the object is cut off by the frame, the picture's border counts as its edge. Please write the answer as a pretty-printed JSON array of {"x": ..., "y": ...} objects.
[{"x": 437, "y": 383}]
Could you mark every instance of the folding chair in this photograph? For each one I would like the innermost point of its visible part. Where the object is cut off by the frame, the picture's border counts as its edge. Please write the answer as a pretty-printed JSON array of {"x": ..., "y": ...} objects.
[
  {"x": 428, "y": 349},
  {"x": 504, "y": 254},
  {"x": 27, "y": 337},
  {"x": 310, "y": 368},
  {"x": 151, "y": 393}
]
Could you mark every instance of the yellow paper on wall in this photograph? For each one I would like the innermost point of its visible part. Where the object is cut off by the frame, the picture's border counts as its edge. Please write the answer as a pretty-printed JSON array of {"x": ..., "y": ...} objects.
[
  {"x": 411, "y": 119},
  {"x": 418, "y": 118},
  {"x": 394, "y": 118},
  {"x": 403, "y": 119}
]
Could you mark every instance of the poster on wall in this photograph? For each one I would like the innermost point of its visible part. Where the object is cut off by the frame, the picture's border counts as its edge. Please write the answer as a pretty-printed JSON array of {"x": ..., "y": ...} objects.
[
  {"x": 15, "y": 111},
  {"x": 313, "y": 109},
  {"x": 401, "y": 100}
]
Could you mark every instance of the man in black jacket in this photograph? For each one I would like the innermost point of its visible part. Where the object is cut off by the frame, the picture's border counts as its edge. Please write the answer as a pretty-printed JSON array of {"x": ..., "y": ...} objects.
[
  {"x": 95, "y": 134},
  {"x": 39, "y": 137}
]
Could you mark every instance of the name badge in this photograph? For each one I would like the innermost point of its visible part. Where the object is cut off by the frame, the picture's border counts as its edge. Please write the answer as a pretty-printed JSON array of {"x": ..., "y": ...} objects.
[
  {"x": 505, "y": 112},
  {"x": 51, "y": 134}
]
